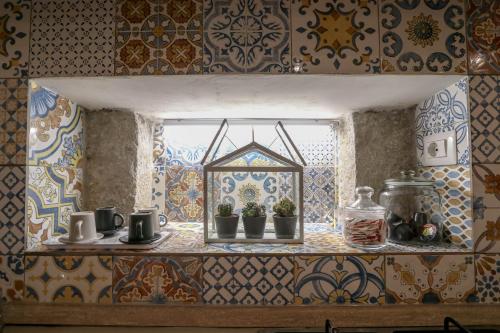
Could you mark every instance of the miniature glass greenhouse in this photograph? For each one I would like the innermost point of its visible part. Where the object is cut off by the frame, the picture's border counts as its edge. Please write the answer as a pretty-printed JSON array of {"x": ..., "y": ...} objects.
[{"x": 242, "y": 187}]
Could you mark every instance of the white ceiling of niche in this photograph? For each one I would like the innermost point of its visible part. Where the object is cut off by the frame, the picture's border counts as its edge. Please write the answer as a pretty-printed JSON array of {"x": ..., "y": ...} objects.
[{"x": 249, "y": 96}]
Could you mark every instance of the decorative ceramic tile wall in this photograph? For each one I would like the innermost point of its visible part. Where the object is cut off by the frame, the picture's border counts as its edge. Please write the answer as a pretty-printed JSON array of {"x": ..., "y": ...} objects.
[
  {"x": 14, "y": 39},
  {"x": 422, "y": 36},
  {"x": 13, "y": 114},
  {"x": 453, "y": 184},
  {"x": 157, "y": 279},
  {"x": 11, "y": 278},
  {"x": 248, "y": 280},
  {"x": 426, "y": 279},
  {"x": 487, "y": 230},
  {"x": 319, "y": 194},
  {"x": 339, "y": 280},
  {"x": 336, "y": 36},
  {"x": 488, "y": 278},
  {"x": 72, "y": 38},
  {"x": 482, "y": 36},
  {"x": 158, "y": 190},
  {"x": 486, "y": 182},
  {"x": 484, "y": 98},
  {"x": 56, "y": 130},
  {"x": 12, "y": 187},
  {"x": 250, "y": 36},
  {"x": 53, "y": 194},
  {"x": 184, "y": 194},
  {"x": 158, "y": 37},
  {"x": 445, "y": 111},
  {"x": 68, "y": 279}
]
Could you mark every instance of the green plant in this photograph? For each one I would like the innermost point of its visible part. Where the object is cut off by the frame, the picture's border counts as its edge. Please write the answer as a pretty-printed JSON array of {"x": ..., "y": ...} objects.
[
  {"x": 251, "y": 209},
  {"x": 285, "y": 207},
  {"x": 225, "y": 209}
]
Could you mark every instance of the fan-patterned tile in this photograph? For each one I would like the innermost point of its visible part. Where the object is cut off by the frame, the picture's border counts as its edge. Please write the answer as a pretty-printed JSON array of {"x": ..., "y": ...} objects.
[
  {"x": 422, "y": 36},
  {"x": 335, "y": 36},
  {"x": 11, "y": 278},
  {"x": 13, "y": 121},
  {"x": 429, "y": 279},
  {"x": 484, "y": 97},
  {"x": 488, "y": 278},
  {"x": 12, "y": 188},
  {"x": 487, "y": 230},
  {"x": 14, "y": 38},
  {"x": 71, "y": 38},
  {"x": 248, "y": 280},
  {"x": 157, "y": 280},
  {"x": 250, "y": 36},
  {"x": 486, "y": 182},
  {"x": 483, "y": 17},
  {"x": 68, "y": 279},
  {"x": 339, "y": 280}
]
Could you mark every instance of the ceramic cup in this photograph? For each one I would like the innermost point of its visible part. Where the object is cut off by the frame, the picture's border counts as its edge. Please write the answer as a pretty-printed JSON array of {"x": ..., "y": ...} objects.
[
  {"x": 140, "y": 227},
  {"x": 159, "y": 219},
  {"x": 107, "y": 219},
  {"x": 82, "y": 227}
]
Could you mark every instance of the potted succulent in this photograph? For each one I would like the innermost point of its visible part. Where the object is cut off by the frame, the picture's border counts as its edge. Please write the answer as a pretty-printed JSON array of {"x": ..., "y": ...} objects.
[
  {"x": 254, "y": 220},
  {"x": 285, "y": 220},
  {"x": 226, "y": 222}
]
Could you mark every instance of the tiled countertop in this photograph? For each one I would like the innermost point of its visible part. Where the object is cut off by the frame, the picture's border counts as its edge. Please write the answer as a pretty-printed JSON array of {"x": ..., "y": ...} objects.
[{"x": 320, "y": 238}]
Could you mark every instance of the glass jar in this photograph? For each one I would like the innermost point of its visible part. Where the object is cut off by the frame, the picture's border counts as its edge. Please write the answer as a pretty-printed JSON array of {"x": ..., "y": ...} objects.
[
  {"x": 364, "y": 224},
  {"x": 413, "y": 209}
]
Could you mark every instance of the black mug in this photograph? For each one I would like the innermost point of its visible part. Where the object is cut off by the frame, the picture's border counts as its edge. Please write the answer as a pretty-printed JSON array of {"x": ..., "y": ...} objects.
[
  {"x": 140, "y": 227},
  {"x": 105, "y": 219}
]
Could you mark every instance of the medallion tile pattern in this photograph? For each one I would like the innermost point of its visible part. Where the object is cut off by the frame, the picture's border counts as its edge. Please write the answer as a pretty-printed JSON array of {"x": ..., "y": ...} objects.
[
  {"x": 453, "y": 185},
  {"x": 68, "y": 279},
  {"x": 13, "y": 121},
  {"x": 72, "y": 38},
  {"x": 429, "y": 279},
  {"x": 339, "y": 280},
  {"x": 11, "y": 278},
  {"x": 319, "y": 194},
  {"x": 53, "y": 194},
  {"x": 250, "y": 36},
  {"x": 14, "y": 38},
  {"x": 487, "y": 230},
  {"x": 248, "y": 280},
  {"x": 157, "y": 280},
  {"x": 488, "y": 278},
  {"x": 422, "y": 36},
  {"x": 184, "y": 194},
  {"x": 336, "y": 36},
  {"x": 56, "y": 130},
  {"x": 484, "y": 97},
  {"x": 158, "y": 37},
  {"x": 12, "y": 188},
  {"x": 486, "y": 181},
  {"x": 483, "y": 19}
]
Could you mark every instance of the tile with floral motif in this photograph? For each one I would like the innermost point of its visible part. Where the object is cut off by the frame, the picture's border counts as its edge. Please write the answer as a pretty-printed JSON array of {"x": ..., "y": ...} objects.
[
  {"x": 11, "y": 278},
  {"x": 488, "y": 278},
  {"x": 487, "y": 230},
  {"x": 486, "y": 182}
]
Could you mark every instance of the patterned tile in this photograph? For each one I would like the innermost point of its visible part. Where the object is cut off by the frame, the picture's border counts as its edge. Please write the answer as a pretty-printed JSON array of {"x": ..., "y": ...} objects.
[
  {"x": 14, "y": 38},
  {"x": 486, "y": 182},
  {"x": 160, "y": 144},
  {"x": 339, "y": 280},
  {"x": 72, "y": 38},
  {"x": 158, "y": 37},
  {"x": 484, "y": 97},
  {"x": 157, "y": 280},
  {"x": 12, "y": 187},
  {"x": 158, "y": 189},
  {"x": 319, "y": 194},
  {"x": 250, "y": 36},
  {"x": 68, "y": 279},
  {"x": 56, "y": 130},
  {"x": 11, "y": 278},
  {"x": 184, "y": 194},
  {"x": 13, "y": 120},
  {"x": 248, "y": 280},
  {"x": 488, "y": 278},
  {"x": 336, "y": 36},
  {"x": 422, "y": 36},
  {"x": 483, "y": 17},
  {"x": 487, "y": 230},
  {"x": 429, "y": 279},
  {"x": 453, "y": 185},
  {"x": 53, "y": 194}
]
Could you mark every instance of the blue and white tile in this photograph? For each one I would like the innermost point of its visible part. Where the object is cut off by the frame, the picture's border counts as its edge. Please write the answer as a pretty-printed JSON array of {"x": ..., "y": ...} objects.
[
  {"x": 319, "y": 194},
  {"x": 11, "y": 278},
  {"x": 488, "y": 278},
  {"x": 339, "y": 280},
  {"x": 12, "y": 194}
]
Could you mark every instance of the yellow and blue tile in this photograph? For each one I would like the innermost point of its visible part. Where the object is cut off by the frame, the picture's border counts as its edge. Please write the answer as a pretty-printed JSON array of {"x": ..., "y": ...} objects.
[{"x": 11, "y": 278}]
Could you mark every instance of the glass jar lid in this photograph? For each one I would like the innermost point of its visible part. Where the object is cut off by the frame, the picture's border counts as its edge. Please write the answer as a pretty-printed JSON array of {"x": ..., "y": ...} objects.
[
  {"x": 364, "y": 203},
  {"x": 408, "y": 178}
]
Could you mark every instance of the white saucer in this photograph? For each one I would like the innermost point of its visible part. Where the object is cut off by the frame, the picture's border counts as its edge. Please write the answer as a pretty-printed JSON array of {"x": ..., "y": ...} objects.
[{"x": 65, "y": 239}]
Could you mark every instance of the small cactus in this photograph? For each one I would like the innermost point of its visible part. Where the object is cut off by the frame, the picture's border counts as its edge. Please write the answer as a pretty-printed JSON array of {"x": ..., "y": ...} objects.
[
  {"x": 253, "y": 210},
  {"x": 225, "y": 209},
  {"x": 285, "y": 207}
]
